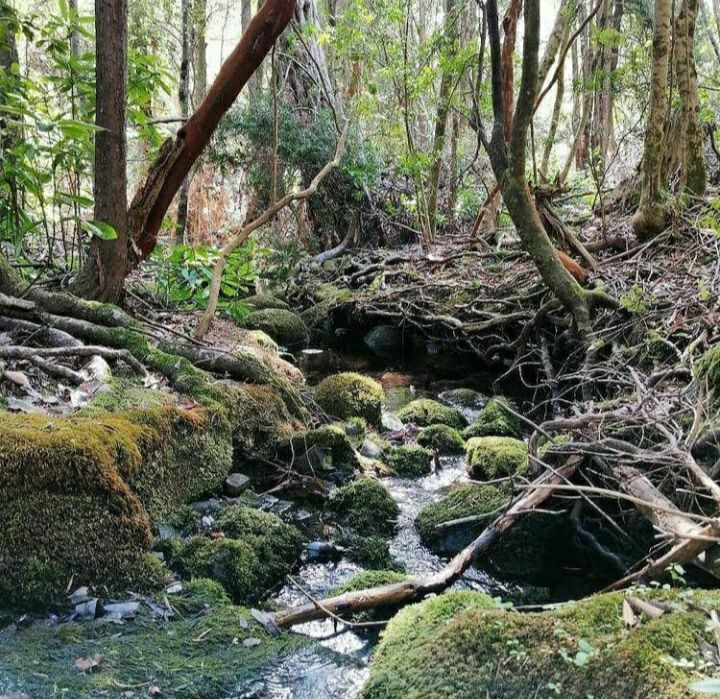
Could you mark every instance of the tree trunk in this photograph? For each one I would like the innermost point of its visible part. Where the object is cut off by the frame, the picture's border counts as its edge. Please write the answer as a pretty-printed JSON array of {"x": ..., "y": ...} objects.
[
  {"x": 509, "y": 163},
  {"x": 177, "y": 157},
  {"x": 105, "y": 269},
  {"x": 199, "y": 21},
  {"x": 8, "y": 134},
  {"x": 184, "y": 99},
  {"x": 557, "y": 109},
  {"x": 558, "y": 37},
  {"x": 446, "y": 80},
  {"x": 651, "y": 216}
]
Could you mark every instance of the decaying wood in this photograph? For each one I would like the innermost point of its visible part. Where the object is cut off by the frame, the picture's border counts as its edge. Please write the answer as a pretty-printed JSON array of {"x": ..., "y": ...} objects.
[{"x": 416, "y": 588}]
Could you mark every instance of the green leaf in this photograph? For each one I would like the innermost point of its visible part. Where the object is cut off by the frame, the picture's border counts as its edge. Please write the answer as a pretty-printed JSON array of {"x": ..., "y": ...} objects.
[
  {"x": 71, "y": 128},
  {"x": 99, "y": 229}
]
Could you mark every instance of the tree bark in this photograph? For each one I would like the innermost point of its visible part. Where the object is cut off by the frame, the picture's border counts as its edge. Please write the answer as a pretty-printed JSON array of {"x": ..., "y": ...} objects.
[
  {"x": 106, "y": 266},
  {"x": 651, "y": 216},
  {"x": 199, "y": 23},
  {"x": 184, "y": 99},
  {"x": 176, "y": 157}
]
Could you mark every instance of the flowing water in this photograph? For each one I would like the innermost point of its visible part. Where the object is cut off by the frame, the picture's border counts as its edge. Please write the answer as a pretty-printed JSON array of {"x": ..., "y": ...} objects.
[{"x": 337, "y": 664}]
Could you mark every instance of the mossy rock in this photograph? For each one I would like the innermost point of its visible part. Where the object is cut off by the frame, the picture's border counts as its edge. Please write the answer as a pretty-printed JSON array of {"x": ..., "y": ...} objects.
[
  {"x": 276, "y": 544},
  {"x": 283, "y": 326},
  {"x": 350, "y": 395},
  {"x": 460, "y": 645},
  {"x": 468, "y": 500},
  {"x": 82, "y": 494},
  {"x": 199, "y": 595},
  {"x": 195, "y": 656},
  {"x": 261, "y": 302},
  {"x": 409, "y": 460},
  {"x": 463, "y": 398},
  {"x": 366, "y": 506},
  {"x": 496, "y": 457},
  {"x": 495, "y": 421},
  {"x": 425, "y": 412},
  {"x": 324, "y": 449},
  {"x": 372, "y": 552},
  {"x": 442, "y": 439}
]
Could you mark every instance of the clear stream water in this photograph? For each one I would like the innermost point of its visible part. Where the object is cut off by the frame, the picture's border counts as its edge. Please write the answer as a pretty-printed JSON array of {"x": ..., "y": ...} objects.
[{"x": 337, "y": 665}]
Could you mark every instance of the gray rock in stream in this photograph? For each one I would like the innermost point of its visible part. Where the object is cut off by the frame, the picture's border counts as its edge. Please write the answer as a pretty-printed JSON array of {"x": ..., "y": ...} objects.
[
  {"x": 384, "y": 340},
  {"x": 236, "y": 483}
]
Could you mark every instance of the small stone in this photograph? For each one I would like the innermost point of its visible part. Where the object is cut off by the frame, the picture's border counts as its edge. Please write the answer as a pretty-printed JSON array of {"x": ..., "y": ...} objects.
[
  {"x": 390, "y": 422},
  {"x": 207, "y": 521},
  {"x": 87, "y": 610},
  {"x": 235, "y": 483},
  {"x": 370, "y": 449},
  {"x": 251, "y": 642},
  {"x": 267, "y": 501},
  {"x": 281, "y": 507},
  {"x": 304, "y": 518},
  {"x": 82, "y": 594},
  {"x": 123, "y": 610},
  {"x": 323, "y": 551}
]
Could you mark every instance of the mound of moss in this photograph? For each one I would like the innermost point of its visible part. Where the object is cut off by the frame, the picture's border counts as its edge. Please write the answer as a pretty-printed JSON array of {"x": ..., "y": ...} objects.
[
  {"x": 409, "y": 460},
  {"x": 460, "y": 645},
  {"x": 195, "y": 656},
  {"x": 283, "y": 326},
  {"x": 443, "y": 439},
  {"x": 276, "y": 544},
  {"x": 262, "y": 550},
  {"x": 366, "y": 507},
  {"x": 496, "y": 457},
  {"x": 463, "y": 398},
  {"x": 81, "y": 493},
  {"x": 495, "y": 421},
  {"x": 324, "y": 449},
  {"x": 468, "y": 500},
  {"x": 425, "y": 412},
  {"x": 372, "y": 552},
  {"x": 350, "y": 395}
]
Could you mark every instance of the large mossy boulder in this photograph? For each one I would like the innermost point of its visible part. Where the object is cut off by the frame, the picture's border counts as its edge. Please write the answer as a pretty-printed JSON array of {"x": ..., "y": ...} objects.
[
  {"x": 258, "y": 552},
  {"x": 409, "y": 460},
  {"x": 365, "y": 506},
  {"x": 467, "y": 500},
  {"x": 350, "y": 395},
  {"x": 442, "y": 439},
  {"x": 322, "y": 451},
  {"x": 80, "y": 495},
  {"x": 425, "y": 412},
  {"x": 496, "y": 457},
  {"x": 281, "y": 325},
  {"x": 495, "y": 420},
  {"x": 460, "y": 645}
]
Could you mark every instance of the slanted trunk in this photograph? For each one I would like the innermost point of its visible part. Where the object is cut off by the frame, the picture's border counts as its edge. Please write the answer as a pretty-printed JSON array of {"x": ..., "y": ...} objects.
[
  {"x": 106, "y": 266},
  {"x": 177, "y": 157}
]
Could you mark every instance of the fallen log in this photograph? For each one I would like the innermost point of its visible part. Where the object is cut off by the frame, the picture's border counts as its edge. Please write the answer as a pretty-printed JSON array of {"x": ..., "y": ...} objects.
[{"x": 414, "y": 589}]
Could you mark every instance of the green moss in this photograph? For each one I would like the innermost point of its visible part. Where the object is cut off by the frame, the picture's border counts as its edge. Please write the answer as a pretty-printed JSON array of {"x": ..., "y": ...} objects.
[
  {"x": 277, "y": 545},
  {"x": 409, "y": 460},
  {"x": 495, "y": 421},
  {"x": 496, "y": 457},
  {"x": 458, "y": 646},
  {"x": 282, "y": 325},
  {"x": 425, "y": 412},
  {"x": 259, "y": 302},
  {"x": 467, "y": 500},
  {"x": 365, "y": 506},
  {"x": 709, "y": 367},
  {"x": 193, "y": 657},
  {"x": 102, "y": 479},
  {"x": 463, "y": 397},
  {"x": 326, "y": 448},
  {"x": 373, "y": 552},
  {"x": 264, "y": 549},
  {"x": 442, "y": 439},
  {"x": 199, "y": 595},
  {"x": 349, "y": 395}
]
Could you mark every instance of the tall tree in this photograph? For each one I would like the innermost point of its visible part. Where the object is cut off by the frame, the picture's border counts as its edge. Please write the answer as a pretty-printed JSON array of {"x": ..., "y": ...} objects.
[
  {"x": 184, "y": 99},
  {"x": 104, "y": 272},
  {"x": 199, "y": 22},
  {"x": 507, "y": 147}
]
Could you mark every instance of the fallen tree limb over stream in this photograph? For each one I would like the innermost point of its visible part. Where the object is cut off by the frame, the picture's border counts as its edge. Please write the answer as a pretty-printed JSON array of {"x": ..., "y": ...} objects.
[{"x": 416, "y": 588}]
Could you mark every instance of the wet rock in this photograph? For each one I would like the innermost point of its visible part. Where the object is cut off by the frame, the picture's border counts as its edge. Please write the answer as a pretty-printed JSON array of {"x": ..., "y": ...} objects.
[
  {"x": 303, "y": 518},
  {"x": 371, "y": 449},
  {"x": 390, "y": 422},
  {"x": 236, "y": 483},
  {"x": 384, "y": 341},
  {"x": 496, "y": 420},
  {"x": 323, "y": 551},
  {"x": 212, "y": 505},
  {"x": 281, "y": 507}
]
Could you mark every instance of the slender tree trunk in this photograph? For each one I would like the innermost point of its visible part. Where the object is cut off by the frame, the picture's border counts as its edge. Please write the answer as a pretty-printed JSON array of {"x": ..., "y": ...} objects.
[
  {"x": 106, "y": 266},
  {"x": 651, "y": 216},
  {"x": 441, "y": 117},
  {"x": 184, "y": 99},
  {"x": 199, "y": 20},
  {"x": 558, "y": 37},
  {"x": 557, "y": 111},
  {"x": 509, "y": 162},
  {"x": 8, "y": 134}
]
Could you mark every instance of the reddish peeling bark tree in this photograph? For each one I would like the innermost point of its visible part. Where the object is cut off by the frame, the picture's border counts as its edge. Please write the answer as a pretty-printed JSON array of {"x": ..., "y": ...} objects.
[{"x": 178, "y": 155}]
